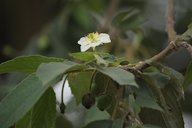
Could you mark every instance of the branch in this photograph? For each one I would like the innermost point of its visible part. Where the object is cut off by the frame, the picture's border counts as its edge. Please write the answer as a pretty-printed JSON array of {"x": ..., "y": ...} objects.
[
  {"x": 175, "y": 41},
  {"x": 168, "y": 50},
  {"x": 170, "y": 20},
  {"x": 144, "y": 64}
]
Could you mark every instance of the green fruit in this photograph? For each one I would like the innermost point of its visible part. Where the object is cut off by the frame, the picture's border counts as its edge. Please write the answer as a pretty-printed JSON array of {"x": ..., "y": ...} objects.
[{"x": 88, "y": 100}]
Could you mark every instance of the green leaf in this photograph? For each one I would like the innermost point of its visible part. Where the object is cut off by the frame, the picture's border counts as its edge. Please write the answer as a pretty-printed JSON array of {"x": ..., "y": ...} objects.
[
  {"x": 85, "y": 56},
  {"x": 133, "y": 126},
  {"x": 79, "y": 84},
  {"x": 188, "y": 77},
  {"x": 175, "y": 77},
  {"x": 99, "y": 84},
  {"x": 24, "y": 122},
  {"x": 128, "y": 19},
  {"x": 173, "y": 74},
  {"x": 118, "y": 123},
  {"x": 62, "y": 122},
  {"x": 145, "y": 100},
  {"x": 100, "y": 124},
  {"x": 134, "y": 105},
  {"x": 121, "y": 76},
  {"x": 95, "y": 114},
  {"x": 171, "y": 116},
  {"x": 15, "y": 105},
  {"x": 100, "y": 60},
  {"x": 22, "y": 99},
  {"x": 150, "y": 126},
  {"x": 26, "y": 64},
  {"x": 88, "y": 56},
  {"x": 104, "y": 102},
  {"x": 42, "y": 114},
  {"x": 161, "y": 79},
  {"x": 174, "y": 105},
  {"x": 49, "y": 71},
  {"x": 187, "y": 35}
]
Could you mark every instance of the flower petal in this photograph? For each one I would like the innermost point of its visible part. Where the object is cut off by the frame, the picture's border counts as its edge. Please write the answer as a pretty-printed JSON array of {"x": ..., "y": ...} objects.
[
  {"x": 104, "y": 38},
  {"x": 84, "y": 48},
  {"x": 82, "y": 41},
  {"x": 94, "y": 44}
]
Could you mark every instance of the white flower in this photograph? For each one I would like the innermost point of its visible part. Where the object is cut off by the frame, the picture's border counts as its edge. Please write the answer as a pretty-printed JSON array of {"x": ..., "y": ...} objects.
[{"x": 92, "y": 40}]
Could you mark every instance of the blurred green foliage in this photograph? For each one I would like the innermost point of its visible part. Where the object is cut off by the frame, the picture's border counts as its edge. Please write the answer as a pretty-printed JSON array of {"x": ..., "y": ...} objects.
[{"x": 52, "y": 28}]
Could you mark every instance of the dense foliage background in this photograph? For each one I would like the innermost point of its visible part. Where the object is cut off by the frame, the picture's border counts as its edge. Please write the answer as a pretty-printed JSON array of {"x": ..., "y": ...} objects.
[{"x": 53, "y": 27}]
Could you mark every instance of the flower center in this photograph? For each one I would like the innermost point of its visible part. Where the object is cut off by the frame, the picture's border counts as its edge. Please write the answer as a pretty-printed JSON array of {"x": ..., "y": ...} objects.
[{"x": 92, "y": 37}]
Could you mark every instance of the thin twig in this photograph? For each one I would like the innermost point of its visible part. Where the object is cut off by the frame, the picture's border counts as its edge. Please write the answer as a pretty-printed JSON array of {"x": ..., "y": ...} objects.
[
  {"x": 62, "y": 90},
  {"x": 92, "y": 79},
  {"x": 107, "y": 85},
  {"x": 170, "y": 20}
]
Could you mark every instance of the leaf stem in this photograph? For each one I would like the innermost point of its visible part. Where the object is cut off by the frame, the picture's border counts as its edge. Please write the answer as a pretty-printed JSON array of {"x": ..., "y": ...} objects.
[
  {"x": 92, "y": 78},
  {"x": 107, "y": 85},
  {"x": 62, "y": 90}
]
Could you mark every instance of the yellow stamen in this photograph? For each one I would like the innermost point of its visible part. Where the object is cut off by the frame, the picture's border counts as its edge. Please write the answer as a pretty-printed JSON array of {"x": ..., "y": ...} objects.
[{"x": 92, "y": 37}]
